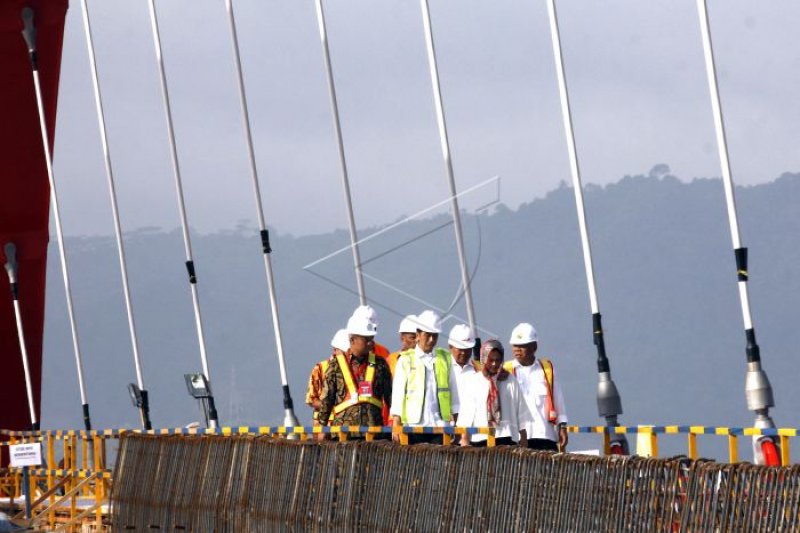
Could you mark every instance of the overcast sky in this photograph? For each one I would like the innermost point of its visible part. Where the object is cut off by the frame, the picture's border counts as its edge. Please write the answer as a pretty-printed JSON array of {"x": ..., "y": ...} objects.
[{"x": 635, "y": 71}]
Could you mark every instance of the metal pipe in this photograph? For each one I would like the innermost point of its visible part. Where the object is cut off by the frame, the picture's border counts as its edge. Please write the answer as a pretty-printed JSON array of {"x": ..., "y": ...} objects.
[
  {"x": 29, "y": 33},
  {"x": 440, "y": 119},
  {"x": 11, "y": 270},
  {"x": 144, "y": 409},
  {"x": 609, "y": 403},
  {"x": 187, "y": 242},
  {"x": 323, "y": 36},
  {"x": 758, "y": 390},
  {"x": 289, "y": 417}
]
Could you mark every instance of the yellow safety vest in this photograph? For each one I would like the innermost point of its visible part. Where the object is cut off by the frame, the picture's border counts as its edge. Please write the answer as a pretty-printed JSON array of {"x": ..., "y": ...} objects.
[
  {"x": 547, "y": 367},
  {"x": 353, "y": 396},
  {"x": 415, "y": 385}
]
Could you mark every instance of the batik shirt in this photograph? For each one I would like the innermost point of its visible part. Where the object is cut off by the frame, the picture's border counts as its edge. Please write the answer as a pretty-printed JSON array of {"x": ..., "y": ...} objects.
[
  {"x": 335, "y": 392},
  {"x": 316, "y": 382}
]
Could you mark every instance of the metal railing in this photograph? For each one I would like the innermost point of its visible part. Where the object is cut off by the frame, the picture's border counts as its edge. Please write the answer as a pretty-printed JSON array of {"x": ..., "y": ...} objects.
[
  {"x": 62, "y": 497},
  {"x": 732, "y": 434}
]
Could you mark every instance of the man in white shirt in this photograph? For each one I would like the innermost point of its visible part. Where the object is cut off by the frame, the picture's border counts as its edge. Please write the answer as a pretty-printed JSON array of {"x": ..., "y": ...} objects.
[
  {"x": 461, "y": 343},
  {"x": 408, "y": 339},
  {"x": 547, "y": 426},
  {"x": 424, "y": 390},
  {"x": 489, "y": 402}
]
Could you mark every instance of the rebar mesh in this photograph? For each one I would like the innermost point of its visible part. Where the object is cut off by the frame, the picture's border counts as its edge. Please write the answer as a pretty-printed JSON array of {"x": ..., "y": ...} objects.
[{"x": 240, "y": 483}]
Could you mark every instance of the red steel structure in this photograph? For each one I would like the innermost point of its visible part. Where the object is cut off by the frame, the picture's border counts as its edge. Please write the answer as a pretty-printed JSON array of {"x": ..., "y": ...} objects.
[{"x": 25, "y": 193}]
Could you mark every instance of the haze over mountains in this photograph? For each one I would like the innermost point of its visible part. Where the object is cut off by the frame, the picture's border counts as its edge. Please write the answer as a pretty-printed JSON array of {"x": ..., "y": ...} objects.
[{"x": 663, "y": 263}]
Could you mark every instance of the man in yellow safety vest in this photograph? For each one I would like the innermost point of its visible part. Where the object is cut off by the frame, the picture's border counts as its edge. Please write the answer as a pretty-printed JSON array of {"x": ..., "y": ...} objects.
[
  {"x": 424, "y": 391},
  {"x": 357, "y": 382},
  {"x": 546, "y": 428},
  {"x": 316, "y": 382}
]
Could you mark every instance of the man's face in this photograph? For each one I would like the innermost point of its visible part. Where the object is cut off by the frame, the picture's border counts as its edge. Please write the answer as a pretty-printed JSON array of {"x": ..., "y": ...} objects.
[
  {"x": 494, "y": 361},
  {"x": 426, "y": 341},
  {"x": 525, "y": 353},
  {"x": 461, "y": 355},
  {"x": 407, "y": 341},
  {"x": 360, "y": 346}
]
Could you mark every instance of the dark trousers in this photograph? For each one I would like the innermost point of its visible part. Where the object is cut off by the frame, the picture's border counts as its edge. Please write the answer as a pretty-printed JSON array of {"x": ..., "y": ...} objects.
[
  {"x": 424, "y": 438},
  {"x": 499, "y": 441},
  {"x": 543, "y": 444}
]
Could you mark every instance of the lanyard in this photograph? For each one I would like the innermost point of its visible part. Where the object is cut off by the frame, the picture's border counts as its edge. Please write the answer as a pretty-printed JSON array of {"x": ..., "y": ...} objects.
[{"x": 359, "y": 369}]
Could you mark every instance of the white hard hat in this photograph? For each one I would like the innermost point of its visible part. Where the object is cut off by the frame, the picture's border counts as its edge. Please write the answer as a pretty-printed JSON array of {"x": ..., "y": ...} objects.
[
  {"x": 365, "y": 311},
  {"x": 461, "y": 337},
  {"x": 361, "y": 325},
  {"x": 408, "y": 324},
  {"x": 523, "y": 334},
  {"x": 341, "y": 341},
  {"x": 429, "y": 322}
]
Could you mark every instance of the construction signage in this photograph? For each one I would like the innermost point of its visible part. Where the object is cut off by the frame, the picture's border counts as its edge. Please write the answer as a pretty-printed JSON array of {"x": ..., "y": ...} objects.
[{"x": 26, "y": 454}]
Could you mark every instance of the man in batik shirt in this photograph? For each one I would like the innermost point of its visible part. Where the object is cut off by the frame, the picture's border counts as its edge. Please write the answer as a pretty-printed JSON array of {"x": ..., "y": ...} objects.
[
  {"x": 316, "y": 382},
  {"x": 358, "y": 382}
]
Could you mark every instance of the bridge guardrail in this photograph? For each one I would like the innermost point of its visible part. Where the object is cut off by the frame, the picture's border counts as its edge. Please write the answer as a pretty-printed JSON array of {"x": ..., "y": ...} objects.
[{"x": 784, "y": 436}]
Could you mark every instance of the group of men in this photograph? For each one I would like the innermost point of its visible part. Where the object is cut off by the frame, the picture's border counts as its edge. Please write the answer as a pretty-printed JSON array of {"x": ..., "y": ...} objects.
[{"x": 421, "y": 384}]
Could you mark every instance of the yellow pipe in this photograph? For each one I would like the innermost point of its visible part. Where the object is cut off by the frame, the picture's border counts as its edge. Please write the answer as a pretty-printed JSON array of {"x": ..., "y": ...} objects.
[
  {"x": 98, "y": 498},
  {"x": 786, "y": 458},
  {"x": 51, "y": 463},
  {"x": 653, "y": 444},
  {"x": 85, "y": 457},
  {"x": 99, "y": 465},
  {"x": 733, "y": 449},
  {"x": 692, "y": 440}
]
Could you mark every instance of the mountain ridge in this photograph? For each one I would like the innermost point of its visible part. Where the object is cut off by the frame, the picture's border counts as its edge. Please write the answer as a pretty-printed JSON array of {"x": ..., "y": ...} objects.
[{"x": 663, "y": 263}]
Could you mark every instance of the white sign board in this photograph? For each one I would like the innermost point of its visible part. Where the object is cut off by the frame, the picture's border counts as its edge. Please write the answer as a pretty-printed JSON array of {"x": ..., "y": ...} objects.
[{"x": 26, "y": 454}]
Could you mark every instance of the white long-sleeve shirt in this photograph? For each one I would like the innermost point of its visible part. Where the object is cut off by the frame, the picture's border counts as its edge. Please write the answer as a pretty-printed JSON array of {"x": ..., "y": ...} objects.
[
  {"x": 462, "y": 374},
  {"x": 533, "y": 386},
  {"x": 474, "y": 413},
  {"x": 431, "y": 415}
]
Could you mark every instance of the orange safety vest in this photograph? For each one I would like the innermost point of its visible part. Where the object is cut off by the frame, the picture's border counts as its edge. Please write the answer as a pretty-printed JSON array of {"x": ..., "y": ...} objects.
[
  {"x": 547, "y": 367},
  {"x": 382, "y": 351},
  {"x": 353, "y": 396}
]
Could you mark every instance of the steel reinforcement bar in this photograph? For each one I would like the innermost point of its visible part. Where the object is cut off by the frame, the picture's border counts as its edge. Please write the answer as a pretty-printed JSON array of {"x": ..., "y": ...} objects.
[{"x": 249, "y": 483}]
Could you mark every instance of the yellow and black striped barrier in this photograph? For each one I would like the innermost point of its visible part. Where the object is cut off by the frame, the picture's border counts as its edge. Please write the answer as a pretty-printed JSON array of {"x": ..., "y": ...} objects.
[
  {"x": 62, "y": 472},
  {"x": 782, "y": 435},
  {"x": 246, "y": 430}
]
